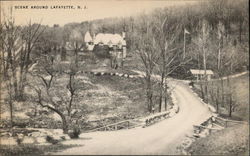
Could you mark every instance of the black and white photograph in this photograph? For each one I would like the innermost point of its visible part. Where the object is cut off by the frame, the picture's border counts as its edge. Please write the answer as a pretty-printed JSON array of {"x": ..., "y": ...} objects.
[{"x": 124, "y": 77}]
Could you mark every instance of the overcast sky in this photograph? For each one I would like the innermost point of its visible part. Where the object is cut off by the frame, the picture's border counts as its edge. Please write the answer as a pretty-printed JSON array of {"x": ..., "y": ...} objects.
[{"x": 96, "y": 9}]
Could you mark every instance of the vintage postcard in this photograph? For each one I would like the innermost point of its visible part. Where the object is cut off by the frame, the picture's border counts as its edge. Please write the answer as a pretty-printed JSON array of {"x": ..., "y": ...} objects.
[{"x": 123, "y": 77}]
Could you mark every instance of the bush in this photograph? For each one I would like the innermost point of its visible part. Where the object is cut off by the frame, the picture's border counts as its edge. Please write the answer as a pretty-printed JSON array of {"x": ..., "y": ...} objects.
[
  {"x": 21, "y": 123},
  {"x": 74, "y": 133},
  {"x": 19, "y": 141},
  {"x": 51, "y": 140},
  {"x": 191, "y": 84}
]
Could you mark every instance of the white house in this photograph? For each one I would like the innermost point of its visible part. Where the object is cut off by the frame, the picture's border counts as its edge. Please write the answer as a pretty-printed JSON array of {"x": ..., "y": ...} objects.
[{"x": 111, "y": 40}]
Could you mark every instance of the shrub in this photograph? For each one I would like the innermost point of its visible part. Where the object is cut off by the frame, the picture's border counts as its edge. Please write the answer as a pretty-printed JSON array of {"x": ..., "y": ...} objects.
[
  {"x": 51, "y": 140},
  {"x": 63, "y": 137},
  {"x": 75, "y": 133},
  {"x": 21, "y": 123},
  {"x": 19, "y": 141}
]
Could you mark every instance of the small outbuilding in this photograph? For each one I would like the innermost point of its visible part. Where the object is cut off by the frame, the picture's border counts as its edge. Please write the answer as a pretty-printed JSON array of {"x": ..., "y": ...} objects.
[{"x": 199, "y": 74}]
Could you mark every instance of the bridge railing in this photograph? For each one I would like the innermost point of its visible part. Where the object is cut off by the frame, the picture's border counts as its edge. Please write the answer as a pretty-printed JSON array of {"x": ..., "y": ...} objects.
[
  {"x": 215, "y": 123},
  {"x": 126, "y": 124},
  {"x": 227, "y": 122},
  {"x": 156, "y": 118}
]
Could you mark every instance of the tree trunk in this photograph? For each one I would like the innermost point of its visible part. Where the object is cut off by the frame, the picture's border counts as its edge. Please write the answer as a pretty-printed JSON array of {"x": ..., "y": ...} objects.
[
  {"x": 3, "y": 65},
  {"x": 9, "y": 85},
  {"x": 205, "y": 74},
  {"x": 76, "y": 54},
  {"x": 149, "y": 94},
  {"x": 230, "y": 105},
  {"x": 13, "y": 70},
  {"x": 162, "y": 89},
  {"x": 65, "y": 127},
  {"x": 22, "y": 81},
  {"x": 166, "y": 103},
  {"x": 219, "y": 54},
  {"x": 240, "y": 31},
  {"x": 11, "y": 112},
  {"x": 230, "y": 97},
  {"x": 222, "y": 92},
  {"x": 202, "y": 92},
  {"x": 217, "y": 100},
  {"x": 206, "y": 92},
  {"x": 149, "y": 99},
  {"x": 63, "y": 54},
  {"x": 160, "y": 104}
]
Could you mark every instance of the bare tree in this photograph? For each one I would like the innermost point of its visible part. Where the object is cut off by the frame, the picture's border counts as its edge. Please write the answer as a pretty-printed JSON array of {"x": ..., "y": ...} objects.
[
  {"x": 17, "y": 44},
  {"x": 52, "y": 92},
  {"x": 167, "y": 28},
  {"x": 30, "y": 36},
  {"x": 203, "y": 43},
  {"x": 149, "y": 56},
  {"x": 231, "y": 103},
  {"x": 224, "y": 95},
  {"x": 76, "y": 43}
]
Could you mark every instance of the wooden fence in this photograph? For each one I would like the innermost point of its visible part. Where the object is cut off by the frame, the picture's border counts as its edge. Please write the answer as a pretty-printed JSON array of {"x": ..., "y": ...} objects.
[
  {"x": 227, "y": 122},
  {"x": 214, "y": 123},
  {"x": 126, "y": 124}
]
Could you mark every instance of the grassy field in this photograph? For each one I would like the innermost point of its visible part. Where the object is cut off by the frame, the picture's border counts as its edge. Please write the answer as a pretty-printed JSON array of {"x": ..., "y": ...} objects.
[
  {"x": 114, "y": 99},
  {"x": 104, "y": 97},
  {"x": 240, "y": 92},
  {"x": 127, "y": 95},
  {"x": 229, "y": 141},
  {"x": 29, "y": 149},
  {"x": 107, "y": 99}
]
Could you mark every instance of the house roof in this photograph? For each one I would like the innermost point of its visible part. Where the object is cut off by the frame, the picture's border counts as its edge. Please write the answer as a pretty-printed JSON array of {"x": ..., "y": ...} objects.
[
  {"x": 201, "y": 72},
  {"x": 109, "y": 39}
]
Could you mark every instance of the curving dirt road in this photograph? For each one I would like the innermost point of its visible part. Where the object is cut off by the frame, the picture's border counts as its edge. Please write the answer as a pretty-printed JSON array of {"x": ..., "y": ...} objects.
[{"x": 160, "y": 138}]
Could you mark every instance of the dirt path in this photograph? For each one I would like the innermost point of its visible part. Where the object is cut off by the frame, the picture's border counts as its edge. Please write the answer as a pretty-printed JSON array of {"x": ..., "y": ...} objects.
[{"x": 161, "y": 138}]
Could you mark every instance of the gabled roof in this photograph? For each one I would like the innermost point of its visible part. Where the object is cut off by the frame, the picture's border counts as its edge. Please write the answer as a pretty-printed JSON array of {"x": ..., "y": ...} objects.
[
  {"x": 201, "y": 72},
  {"x": 109, "y": 39},
  {"x": 87, "y": 37}
]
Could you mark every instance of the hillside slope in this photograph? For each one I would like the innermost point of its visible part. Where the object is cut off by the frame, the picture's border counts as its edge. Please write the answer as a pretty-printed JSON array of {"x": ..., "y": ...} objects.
[{"x": 233, "y": 141}]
